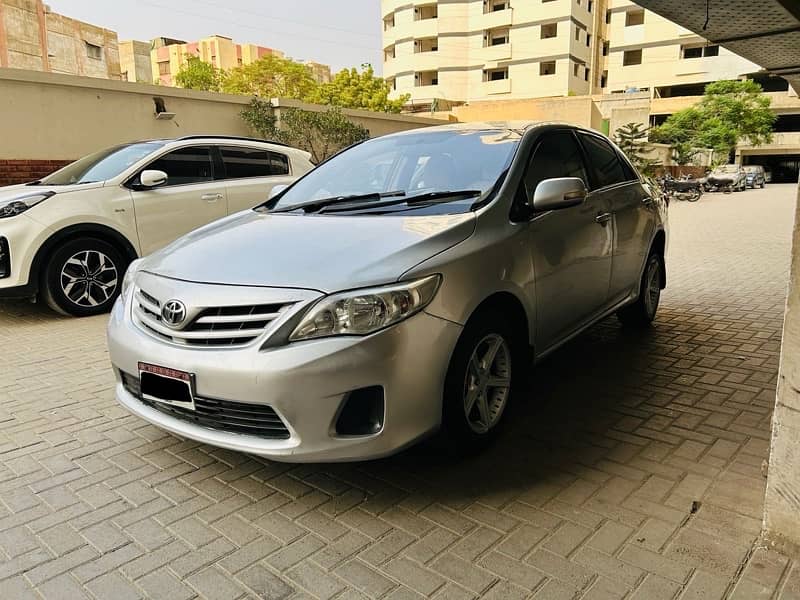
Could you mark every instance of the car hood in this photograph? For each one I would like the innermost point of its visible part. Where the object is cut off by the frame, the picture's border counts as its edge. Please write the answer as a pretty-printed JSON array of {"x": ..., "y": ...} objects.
[
  {"x": 325, "y": 253},
  {"x": 10, "y": 192}
]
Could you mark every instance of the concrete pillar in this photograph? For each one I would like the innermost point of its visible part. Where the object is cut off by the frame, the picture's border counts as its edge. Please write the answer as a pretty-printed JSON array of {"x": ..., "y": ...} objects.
[{"x": 782, "y": 501}]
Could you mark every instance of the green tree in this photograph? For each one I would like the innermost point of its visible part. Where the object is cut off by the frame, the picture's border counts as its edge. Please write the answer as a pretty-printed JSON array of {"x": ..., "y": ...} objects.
[
  {"x": 730, "y": 112},
  {"x": 271, "y": 77},
  {"x": 351, "y": 88},
  {"x": 198, "y": 75},
  {"x": 321, "y": 133},
  {"x": 632, "y": 140}
]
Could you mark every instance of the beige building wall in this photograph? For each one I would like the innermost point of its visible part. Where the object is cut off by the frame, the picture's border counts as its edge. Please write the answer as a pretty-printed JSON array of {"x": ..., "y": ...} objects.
[
  {"x": 33, "y": 37},
  {"x": 93, "y": 114},
  {"x": 663, "y": 46},
  {"x": 134, "y": 61}
]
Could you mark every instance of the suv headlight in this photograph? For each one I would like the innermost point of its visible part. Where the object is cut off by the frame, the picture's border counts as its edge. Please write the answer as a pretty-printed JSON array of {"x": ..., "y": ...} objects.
[
  {"x": 364, "y": 311},
  {"x": 130, "y": 275},
  {"x": 16, "y": 206}
]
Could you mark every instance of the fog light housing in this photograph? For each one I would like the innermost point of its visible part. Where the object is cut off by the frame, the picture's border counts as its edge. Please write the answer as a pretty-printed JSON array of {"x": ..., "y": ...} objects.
[
  {"x": 5, "y": 258},
  {"x": 362, "y": 412}
]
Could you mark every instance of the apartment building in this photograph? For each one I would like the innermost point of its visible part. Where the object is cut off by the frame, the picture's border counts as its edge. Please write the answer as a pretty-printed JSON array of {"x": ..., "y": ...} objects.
[
  {"x": 456, "y": 51},
  {"x": 33, "y": 37},
  {"x": 168, "y": 56},
  {"x": 134, "y": 61}
]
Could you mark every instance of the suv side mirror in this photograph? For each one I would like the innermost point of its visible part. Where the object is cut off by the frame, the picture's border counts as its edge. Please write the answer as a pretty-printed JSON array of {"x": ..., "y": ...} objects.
[
  {"x": 559, "y": 192},
  {"x": 151, "y": 178}
]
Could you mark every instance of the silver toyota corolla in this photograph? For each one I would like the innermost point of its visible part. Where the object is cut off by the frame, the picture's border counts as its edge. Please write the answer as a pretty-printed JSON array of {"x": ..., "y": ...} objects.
[{"x": 400, "y": 288}]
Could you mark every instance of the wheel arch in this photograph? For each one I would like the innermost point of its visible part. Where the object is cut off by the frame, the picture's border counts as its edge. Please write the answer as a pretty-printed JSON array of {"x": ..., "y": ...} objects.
[
  {"x": 72, "y": 232},
  {"x": 659, "y": 245},
  {"x": 512, "y": 308}
]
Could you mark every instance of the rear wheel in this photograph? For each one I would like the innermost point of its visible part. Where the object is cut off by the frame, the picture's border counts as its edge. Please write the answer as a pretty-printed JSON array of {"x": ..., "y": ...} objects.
[
  {"x": 479, "y": 381},
  {"x": 83, "y": 277},
  {"x": 642, "y": 312}
]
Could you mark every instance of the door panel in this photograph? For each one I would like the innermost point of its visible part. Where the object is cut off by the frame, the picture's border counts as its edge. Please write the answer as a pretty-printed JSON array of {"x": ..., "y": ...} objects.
[
  {"x": 572, "y": 264},
  {"x": 247, "y": 193},
  {"x": 570, "y": 249},
  {"x": 190, "y": 199}
]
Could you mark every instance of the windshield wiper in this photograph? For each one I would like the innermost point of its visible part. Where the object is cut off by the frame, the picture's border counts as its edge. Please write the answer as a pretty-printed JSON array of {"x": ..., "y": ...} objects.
[
  {"x": 413, "y": 201},
  {"x": 317, "y": 205}
]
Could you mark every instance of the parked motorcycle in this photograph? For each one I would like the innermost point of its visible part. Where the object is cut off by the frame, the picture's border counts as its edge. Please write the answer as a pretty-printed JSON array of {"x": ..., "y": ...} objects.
[{"x": 681, "y": 189}]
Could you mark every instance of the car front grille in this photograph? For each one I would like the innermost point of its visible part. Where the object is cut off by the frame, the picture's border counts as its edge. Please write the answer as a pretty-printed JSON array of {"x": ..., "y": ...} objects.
[
  {"x": 222, "y": 415},
  {"x": 219, "y": 326}
]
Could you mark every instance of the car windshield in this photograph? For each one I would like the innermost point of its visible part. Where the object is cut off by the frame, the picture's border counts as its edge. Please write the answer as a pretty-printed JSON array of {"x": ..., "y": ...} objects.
[
  {"x": 407, "y": 165},
  {"x": 102, "y": 165},
  {"x": 727, "y": 169}
]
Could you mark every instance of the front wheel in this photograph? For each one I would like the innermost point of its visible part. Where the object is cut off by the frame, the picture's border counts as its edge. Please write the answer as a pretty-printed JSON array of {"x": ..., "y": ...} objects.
[
  {"x": 694, "y": 195},
  {"x": 479, "y": 382},
  {"x": 642, "y": 312},
  {"x": 83, "y": 277}
]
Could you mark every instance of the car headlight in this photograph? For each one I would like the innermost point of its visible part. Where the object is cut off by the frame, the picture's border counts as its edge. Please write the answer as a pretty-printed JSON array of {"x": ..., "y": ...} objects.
[
  {"x": 130, "y": 275},
  {"x": 16, "y": 206},
  {"x": 364, "y": 311}
]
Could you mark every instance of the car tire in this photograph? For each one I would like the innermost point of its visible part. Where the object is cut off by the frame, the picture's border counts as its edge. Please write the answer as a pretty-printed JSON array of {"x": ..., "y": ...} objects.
[
  {"x": 642, "y": 312},
  {"x": 488, "y": 388},
  {"x": 83, "y": 277}
]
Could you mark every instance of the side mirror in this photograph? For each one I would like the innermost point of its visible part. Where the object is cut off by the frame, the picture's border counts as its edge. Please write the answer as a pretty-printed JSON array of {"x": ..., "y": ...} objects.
[
  {"x": 150, "y": 179},
  {"x": 560, "y": 192},
  {"x": 276, "y": 189}
]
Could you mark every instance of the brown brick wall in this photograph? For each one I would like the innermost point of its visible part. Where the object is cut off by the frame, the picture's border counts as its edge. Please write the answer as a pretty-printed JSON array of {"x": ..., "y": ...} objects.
[{"x": 24, "y": 170}]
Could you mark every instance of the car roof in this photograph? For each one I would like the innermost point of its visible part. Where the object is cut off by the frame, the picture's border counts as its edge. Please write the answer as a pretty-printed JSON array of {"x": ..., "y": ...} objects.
[
  {"x": 519, "y": 126},
  {"x": 217, "y": 139}
]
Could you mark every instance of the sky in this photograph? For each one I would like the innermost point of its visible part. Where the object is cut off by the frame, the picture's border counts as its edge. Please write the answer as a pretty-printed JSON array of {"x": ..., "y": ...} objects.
[{"x": 341, "y": 33}]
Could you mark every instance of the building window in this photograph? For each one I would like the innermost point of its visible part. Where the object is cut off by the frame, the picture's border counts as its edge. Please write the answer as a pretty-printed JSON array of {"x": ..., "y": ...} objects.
[
  {"x": 590, "y": 6},
  {"x": 631, "y": 57},
  {"x": 547, "y": 68},
  {"x": 422, "y": 13},
  {"x": 604, "y": 79},
  {"x": 588, "y": 40},
  {"x": 163, "y": 68},
  {"x": 549, "y": 30},
  {"x": 495, "y": 74},
  {"x": 608, "y": 17},
  {"x": 388, "y": 22},
  {"x": 95, "y": 52},
  {"x": 577, "y": 34},
  {"x": 543, "y": 1},
  {"x": 389, "y": 53},
  {"x": 426, "y": 45},
  {"x": 606, "y": 47},
  {"x": 586, "y": 74},
  {"x": 699, "y": 51},
  {"x": 497, "y": 37},
  {"x": 575, "y": 69},
  {"x": 490, "y": 6},
  {"x": 392, "y": 83},
  {"x": 426, "y": 78},
  {"x": 634, "y": 17}
]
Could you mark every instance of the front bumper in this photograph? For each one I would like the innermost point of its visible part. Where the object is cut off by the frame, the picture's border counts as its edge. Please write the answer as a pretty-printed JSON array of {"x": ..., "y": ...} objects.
[
  {"x": 25, "y": 236},
  {"x": 305, "y": 383}
]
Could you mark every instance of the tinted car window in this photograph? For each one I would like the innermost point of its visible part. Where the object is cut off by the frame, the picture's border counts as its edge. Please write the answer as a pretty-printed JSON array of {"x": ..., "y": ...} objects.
[
  {"x": 603, "y": 161},
  {"x": 243, "y": 162},
  {"x": 185, "y": 165},
  {"x": 557, "y": 155},
  {"x": 279, "y": 163},
  {"x": 630, "y": 173}
]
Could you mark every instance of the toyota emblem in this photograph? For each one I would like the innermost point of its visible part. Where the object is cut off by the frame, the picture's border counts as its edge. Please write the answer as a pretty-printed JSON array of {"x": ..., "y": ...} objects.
[{"x": 173, "y": 313}]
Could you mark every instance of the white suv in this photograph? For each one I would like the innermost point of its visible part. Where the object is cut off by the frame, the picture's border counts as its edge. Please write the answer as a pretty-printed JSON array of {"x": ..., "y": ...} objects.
[{"x": 71, "y": 235}]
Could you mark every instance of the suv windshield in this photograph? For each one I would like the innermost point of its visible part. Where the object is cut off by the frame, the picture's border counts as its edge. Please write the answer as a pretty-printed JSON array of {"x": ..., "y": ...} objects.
[
  {"x": 409, "y": 165},
  {"x": 102, "y": 165}
]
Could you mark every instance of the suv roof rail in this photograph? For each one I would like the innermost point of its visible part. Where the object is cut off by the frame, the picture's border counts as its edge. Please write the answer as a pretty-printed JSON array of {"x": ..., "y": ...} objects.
[{"x": 232, "y": 137}]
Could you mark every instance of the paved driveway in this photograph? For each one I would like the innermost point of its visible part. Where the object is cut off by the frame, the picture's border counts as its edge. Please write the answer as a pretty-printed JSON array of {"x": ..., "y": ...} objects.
[{"x": 633, "y": 467}]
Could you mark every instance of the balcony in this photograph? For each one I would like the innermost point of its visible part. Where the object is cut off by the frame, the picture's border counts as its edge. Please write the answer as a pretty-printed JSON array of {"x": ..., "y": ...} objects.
[
  {"x": 425, "y": 28},
  {"x": 500, "y": 18},
  {"x": 500, "y": 86},
  {"x": 489, "y": 54}
]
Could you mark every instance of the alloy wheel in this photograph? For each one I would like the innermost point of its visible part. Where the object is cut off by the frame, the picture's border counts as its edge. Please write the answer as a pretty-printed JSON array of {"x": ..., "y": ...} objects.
[
  {"x": 488, "y": 383},
  {"x": 89, "y": 278},
  {"x": 652, "y": 292}
]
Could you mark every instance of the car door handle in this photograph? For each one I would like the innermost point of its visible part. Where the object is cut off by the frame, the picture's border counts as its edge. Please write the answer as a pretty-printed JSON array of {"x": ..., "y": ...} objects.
[
  {"x": 211, "y": 197},
  {"x": 602, "y": 218}
]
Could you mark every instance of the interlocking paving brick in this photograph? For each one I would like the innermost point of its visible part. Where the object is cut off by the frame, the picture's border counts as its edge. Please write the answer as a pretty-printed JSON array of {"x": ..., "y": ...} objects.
[{"x": 588, "y": 493}]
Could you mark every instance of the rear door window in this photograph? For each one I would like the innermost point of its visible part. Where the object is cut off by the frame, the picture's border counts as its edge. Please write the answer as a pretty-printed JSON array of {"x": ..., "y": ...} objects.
[
  {"x": 185, "y": 165},
  {"x": 279, "y": 163},
  {"x": 603, "y": 162},
  {"x": 242, "y": 162}
]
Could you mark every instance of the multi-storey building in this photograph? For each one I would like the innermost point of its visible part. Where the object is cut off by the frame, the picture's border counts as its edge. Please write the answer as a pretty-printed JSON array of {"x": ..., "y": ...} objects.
[
  {"x": 168, "y": 56},
  {"x": 33, "y": 37},
  {"x": 462, "y": 50},
  {"x": 134, "y": 61}
]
